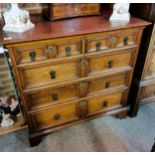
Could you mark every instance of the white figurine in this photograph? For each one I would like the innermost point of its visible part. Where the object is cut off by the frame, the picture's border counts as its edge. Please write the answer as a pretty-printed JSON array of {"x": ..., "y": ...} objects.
[
  {"x": 17, "y": 20},
  {"x": 120, "y": 12}
]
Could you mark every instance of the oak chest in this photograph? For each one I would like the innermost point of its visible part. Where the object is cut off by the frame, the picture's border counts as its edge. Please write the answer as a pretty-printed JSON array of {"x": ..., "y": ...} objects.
[
  {"x": 72, "y": 70},
  {"x": 143, "y": 82}
]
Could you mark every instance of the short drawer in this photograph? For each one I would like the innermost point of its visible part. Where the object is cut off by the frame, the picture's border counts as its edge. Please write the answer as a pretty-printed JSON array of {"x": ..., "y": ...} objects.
[
  {"x": 101, "y": 84},
  {"x": 104, "y": 102},
  {"x": 116, "y": 60},
  {"x": 148, "y": 91},
  {"x": 104, "y": 41},
  {"x": 54, "y": 116},
  {"x": 49, "y": 74},
  {"x": 44, "y": 50},
  {"x": 52, "y": 96}
]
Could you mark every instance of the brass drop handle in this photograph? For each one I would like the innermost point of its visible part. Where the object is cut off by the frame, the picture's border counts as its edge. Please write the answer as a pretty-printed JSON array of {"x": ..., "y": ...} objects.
[
  {"x": 105, "y": 104},
  {"x": 107, "y": 84},
  {"x": 54, "y": 97},
  {"x": 98, "y": 46},
  {"x": 68, "y": 51},
  {"x": 113, "y": 42},
  {"x": 57, "y": 116},
  {"x": 110, "y": 64},
  {"x": 53, "y": 74},
  {"x": 125, "y": 41},
  {"x": 32, "y": 55}
]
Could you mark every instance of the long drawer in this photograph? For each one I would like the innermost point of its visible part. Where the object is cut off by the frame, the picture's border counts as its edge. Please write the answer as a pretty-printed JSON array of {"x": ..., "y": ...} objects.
[
  {"x": 72, "y": 111},
  {"x": 75, "y": 69},
  {"x": 59, "y": 95}
]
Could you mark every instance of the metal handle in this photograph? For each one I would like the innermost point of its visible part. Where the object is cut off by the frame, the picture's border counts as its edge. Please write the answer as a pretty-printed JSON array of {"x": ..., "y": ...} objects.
[
  {"x": 113, "y": 42},
  {"x": 32, "y": 55},
  {"x": 125, "y": 41},
  {"x": 98, "y": 46},
  {"x": 107, "y": 84},
  {"x": 105, "y": 104},
  {"x": 68, "y": 51},
  {"x": 57, "y": 116},
  {"x": 110, "y": 64},
  {"x": 53, "y": 74},
  {"x": 54, "y": 97}
]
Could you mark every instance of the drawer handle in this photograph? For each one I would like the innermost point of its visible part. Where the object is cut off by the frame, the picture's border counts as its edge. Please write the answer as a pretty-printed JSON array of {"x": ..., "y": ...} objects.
[
  {"x": 68, "y": 51},
  {"x": 110, "y": 64},
  {"x": 105, "y": 104},
  {"x": 52, "y": 50},
  {"x": 54, "y": 97},
  {"x": 125, "y": 41},
  {"x": 113, "y": 42},
  {"x": 57, "y": 116},
  {"x": 53, "y": 74},
  {"x": 107, "y": 84},
  {"x": 32, "y": 55},
  {"x": 98, "y": 46}
]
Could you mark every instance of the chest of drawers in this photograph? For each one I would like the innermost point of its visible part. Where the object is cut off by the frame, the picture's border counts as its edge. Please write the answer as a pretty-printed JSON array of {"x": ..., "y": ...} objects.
[
  {"x": 73, "y": 70},
  {"x": 143, "y": 82}
]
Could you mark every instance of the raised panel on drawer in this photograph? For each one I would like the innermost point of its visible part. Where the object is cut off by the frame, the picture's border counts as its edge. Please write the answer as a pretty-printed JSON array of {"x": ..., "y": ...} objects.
[
  {"x": 50, "y": 74},
  {"x": 52, "y": 96},
  {"x": 44, "y": 50},
  {"x": 55, "y": 116},
  {"x": 104, "y": 102},
  {"x": 151, "y": 65},
  {"x": 104, "y": 63},
  {"x": 102, "y": 84},
  {"x": 103, "y": 41}
]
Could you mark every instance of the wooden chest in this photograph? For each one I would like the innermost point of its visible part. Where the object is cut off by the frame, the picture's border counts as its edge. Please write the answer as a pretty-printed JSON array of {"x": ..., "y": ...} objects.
[
  {"x": 73, "y": 70},
  {"x": 144, "y": 76},
  {"x": 67, "y": 10}
]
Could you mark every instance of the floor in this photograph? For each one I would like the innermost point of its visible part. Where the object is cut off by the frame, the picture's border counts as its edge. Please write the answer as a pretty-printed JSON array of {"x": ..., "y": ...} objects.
[{"x": 102, "y": 134}]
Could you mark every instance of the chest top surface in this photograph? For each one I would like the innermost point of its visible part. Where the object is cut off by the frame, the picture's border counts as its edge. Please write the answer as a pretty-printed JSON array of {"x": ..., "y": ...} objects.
[{"x": 69, "y": 27}]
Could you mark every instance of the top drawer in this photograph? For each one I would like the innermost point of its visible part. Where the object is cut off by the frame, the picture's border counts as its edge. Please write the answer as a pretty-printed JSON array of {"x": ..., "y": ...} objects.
[
  {"x": 103, "y": 41},
  {"x": 43, "y": 50}
]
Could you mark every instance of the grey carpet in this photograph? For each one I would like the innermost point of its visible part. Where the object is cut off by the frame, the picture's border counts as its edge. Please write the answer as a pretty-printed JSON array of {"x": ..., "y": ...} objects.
[{"x": 102, "y": 134}]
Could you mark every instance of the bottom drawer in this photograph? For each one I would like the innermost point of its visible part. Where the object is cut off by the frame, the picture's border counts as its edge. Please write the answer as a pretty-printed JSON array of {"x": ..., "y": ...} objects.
[
  {"x": 54, "y": 116},
  {"x": 72, "y": 111},
  {"x": 105, "y": 102},
  {"x": 148, "y": 91}
]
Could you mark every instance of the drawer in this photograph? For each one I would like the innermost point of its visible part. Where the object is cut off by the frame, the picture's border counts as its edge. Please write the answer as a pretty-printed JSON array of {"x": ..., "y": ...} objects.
[
  {"x": 104, "y": 102},
  {"x": 101, "y": 84},
  {"x": 151, "y": 66},
  {"x": 104, "y": 63},
  {"x": 54, "y": 116},
  {"x": 52, "y": 96},
  {"x": 44, "y": 50},
  {"x": 148, "y": 91},
  {"x": 103, "y": 41},
  {"x": 49, "y": 74}
]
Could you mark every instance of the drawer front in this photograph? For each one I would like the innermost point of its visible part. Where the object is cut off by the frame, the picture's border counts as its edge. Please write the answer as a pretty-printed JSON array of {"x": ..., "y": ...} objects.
[
  {"x": 105, "y": 102},
  {"x": 151, "y": 65},
  {"x": 54, "y": 116},
  {"x": 52, "y": 96},
  {"x": 43, "y": 50},
  {"x": 103, "y": 41},
  {"x": 103, "y": 63},
  {"x": 148, "y": 91},
  {"x": 107, "y": 83},
  {"x": 50, "y": 74}
]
